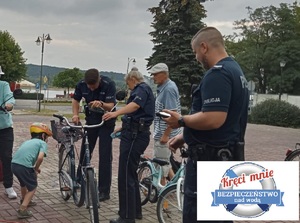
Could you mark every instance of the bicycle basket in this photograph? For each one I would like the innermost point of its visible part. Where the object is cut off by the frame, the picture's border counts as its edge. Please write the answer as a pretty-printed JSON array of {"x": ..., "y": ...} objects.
[{"x": 60, "y": 136}]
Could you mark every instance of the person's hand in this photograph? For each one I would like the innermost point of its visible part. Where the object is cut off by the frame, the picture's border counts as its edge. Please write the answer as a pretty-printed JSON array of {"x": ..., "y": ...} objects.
[
  {"x": 176, "y": 142},
  {"x": 109, "y": 115},
  {"x": 173, "y": 120},
  {"x": 76, "y": 119},
  {"x": 117, "y": 130},
  {"x": 96, "y": 104},
  {"x": 37, "y": 171},
  {"x": 8, "y": 107},
  {"x": 164, "y": 139}
]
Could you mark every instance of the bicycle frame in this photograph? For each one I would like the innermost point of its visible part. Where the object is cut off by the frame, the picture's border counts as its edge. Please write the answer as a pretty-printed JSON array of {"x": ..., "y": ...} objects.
[
  {"x": 71, "y": 154},
  {"x": 156, "y": 175}
]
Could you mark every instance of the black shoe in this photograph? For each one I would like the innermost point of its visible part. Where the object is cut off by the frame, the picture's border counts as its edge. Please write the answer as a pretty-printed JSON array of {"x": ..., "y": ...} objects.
[
  {"x": 139, "y": 216},
  {"x": 122, "y": 220},
  {"x": 103, "y": 196}
]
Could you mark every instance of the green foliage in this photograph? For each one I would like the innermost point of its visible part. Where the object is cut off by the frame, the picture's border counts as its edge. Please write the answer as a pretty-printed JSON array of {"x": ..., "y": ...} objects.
[
  {"x": 33, "y": 73},
  {"x": 268, "y": 36},
  {"x": 277, "y": 113},
  {"x": 12, "y": 61},
  {"x": 68, "y": 78},
  {"x": 175, "y": 23}
]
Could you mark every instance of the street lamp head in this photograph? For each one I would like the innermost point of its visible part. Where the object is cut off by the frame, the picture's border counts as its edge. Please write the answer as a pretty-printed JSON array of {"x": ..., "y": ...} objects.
[
  {"x": 282, "y": 63},
  {"x": 134, "y": 61},
  {"x": 38, "y": 41},
  {"x": 48, "y": 38}
]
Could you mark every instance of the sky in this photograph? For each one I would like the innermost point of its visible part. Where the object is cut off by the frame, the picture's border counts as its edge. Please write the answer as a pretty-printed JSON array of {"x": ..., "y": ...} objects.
[{"x": 102, "y": 34}]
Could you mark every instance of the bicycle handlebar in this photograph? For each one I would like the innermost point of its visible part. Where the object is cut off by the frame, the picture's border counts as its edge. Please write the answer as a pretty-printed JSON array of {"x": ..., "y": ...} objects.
[{"x": 63, "y": 118}]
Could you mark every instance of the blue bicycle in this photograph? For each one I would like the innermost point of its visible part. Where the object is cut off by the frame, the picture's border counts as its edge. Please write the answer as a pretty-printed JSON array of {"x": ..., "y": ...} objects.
[{"x": 169, "y": 197}]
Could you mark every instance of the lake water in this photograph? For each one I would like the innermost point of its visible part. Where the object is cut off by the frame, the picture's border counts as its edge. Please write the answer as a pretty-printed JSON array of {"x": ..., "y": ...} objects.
[{"x": 48, "y": 94}]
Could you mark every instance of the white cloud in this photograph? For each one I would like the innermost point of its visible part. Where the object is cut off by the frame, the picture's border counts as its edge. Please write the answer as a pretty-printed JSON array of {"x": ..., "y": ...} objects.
[{"x": 100, "y": 33}]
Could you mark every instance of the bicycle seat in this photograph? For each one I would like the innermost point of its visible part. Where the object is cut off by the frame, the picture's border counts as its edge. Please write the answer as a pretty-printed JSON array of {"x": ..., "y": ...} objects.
[
  {"x": 160, "y": 162},
  {"x": 98, "y": 110}
]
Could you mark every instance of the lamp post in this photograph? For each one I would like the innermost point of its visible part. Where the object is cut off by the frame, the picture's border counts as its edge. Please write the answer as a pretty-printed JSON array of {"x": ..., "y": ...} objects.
[
  {"x": 41, "y": 39},
  {"x": 282, "y": 64},
  {"x": 262, "y": 72},
  {"x": 129, "y": 60}
]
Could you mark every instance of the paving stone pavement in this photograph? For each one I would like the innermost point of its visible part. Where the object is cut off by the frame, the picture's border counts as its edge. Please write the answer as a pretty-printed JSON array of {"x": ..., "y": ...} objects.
[{"x": 263, "y": 143}]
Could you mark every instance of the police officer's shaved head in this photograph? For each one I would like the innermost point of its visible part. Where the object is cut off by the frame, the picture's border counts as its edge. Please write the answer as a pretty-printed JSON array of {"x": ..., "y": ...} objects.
[
  {"x": 210, "y": 35},
  {"x": 91, "y": 76}
]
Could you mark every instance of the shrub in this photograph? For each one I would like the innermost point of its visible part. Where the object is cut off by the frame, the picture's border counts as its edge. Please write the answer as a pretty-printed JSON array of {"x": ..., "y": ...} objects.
[
  {"x": 277, "y": 113},
  {"x": 30, "y": 96}
]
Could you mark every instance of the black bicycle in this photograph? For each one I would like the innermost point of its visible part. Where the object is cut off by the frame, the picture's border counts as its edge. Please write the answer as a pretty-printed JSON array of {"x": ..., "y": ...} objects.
[
  {"x": 81, "y": 185},
  {"x": 82, "y": 188}
]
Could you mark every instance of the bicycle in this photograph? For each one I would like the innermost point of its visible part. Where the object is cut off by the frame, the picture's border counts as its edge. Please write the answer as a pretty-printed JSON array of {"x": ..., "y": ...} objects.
[
  {"x": 84, "y": 192},
  {"x": 293, "y": 155},
  {"x": 83, "y": 188},
  {"x": 169, "y": 197}
]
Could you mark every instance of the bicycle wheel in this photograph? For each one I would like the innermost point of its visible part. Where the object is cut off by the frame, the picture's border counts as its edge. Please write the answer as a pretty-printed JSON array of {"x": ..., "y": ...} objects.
[
  {"x": 145, "y": 179},
  {"x": 168, "y": 208},
  {"x": 92, "y": 198},
  {"x": 79, "y": 192},
  {"x": 294, "y": 156},
  {"x": 64, "y": 165}
]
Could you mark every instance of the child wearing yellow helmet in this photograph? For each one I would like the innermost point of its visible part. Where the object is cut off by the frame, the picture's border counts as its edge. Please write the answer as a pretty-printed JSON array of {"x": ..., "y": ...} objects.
[{"x": 26, "y": 164}]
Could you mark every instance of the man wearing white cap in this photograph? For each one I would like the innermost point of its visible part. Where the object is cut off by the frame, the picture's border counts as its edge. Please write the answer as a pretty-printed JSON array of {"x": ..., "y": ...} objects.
[{"x": 167, "y": 98}]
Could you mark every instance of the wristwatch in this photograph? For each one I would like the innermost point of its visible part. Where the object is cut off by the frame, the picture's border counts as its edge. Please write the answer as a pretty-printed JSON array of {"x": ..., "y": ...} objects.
[{"x": 181, "y": 122}]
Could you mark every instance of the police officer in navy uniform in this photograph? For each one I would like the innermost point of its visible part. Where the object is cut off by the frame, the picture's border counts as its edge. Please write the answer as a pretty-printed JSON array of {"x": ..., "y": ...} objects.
[
  {"x": 99, "y": 92},
  {"x": 214, "y": 130},
  {"x": 135, "y": 137}
]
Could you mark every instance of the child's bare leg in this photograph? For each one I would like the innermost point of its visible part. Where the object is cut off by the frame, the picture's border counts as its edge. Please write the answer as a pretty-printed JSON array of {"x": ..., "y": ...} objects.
[
  {"x": 23, "y": 192},
  {"x": 27, "y": 198}
]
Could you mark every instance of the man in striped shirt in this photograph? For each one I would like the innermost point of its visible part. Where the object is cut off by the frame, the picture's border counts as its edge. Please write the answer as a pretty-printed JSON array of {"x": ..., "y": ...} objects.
[{"x": 167, "y": 98}]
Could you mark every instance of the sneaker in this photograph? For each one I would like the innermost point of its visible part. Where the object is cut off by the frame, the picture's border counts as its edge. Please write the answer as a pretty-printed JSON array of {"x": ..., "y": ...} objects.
[
  {"x": 31, "y": 203},
  {"x": 11, "y": 193},
  {"x": 24, "y": 214}
]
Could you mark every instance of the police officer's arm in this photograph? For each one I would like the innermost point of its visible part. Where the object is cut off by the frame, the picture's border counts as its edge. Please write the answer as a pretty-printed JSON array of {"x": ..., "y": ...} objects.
[
  {"x": 216, "y": 96},
  {"x": 176, "y": 142},
  {"x": 109, "y": 102},
  {"x": 198, "y": 121},
  {"x": 107, "y": 106},
  {"x": 205, "y": 120},
  {"x": 75, "y": 110},
  {"x": 129, "y": 108},
  {"x": 76, "y": 104}
]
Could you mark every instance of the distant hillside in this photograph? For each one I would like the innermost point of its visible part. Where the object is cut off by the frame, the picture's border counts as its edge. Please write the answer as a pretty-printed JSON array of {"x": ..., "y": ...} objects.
[{"x": 33, "y": 73}]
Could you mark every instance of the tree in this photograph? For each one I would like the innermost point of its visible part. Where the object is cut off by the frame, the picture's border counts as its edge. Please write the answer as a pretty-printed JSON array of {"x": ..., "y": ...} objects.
[
  {"x": 12, "y": 61},
  {"x": 267, "y": 37},
  {"x": 68, "y": 78},
  {"x": 175, "y": 22}
]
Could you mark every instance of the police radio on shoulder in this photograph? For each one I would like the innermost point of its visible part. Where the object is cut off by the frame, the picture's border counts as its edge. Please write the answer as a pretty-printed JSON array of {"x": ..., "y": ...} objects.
[{"x": 163, "y": 114}]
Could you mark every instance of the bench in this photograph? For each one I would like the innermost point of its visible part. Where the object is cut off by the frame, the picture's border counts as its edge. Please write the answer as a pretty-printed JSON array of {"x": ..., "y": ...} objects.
[{"x": 60, "y": 96}]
